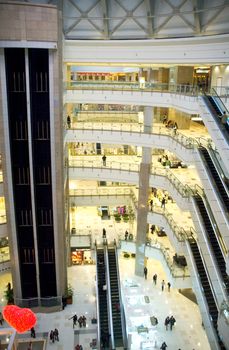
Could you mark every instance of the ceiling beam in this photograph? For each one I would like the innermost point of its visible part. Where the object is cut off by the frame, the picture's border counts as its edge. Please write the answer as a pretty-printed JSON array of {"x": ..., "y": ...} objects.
[
  {"x": 150, "y": 18},
  {"x": 197, "y": 13},
  {"x": 215, "y": 15},
  {"x": 105, "y": 19}
]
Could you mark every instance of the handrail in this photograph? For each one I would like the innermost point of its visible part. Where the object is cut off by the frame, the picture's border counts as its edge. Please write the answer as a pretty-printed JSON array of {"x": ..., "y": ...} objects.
[
  {"x": 109, "y": 306},
  {"x": 124, "y": 333},
  {"x": 98, "y": 164},
  {"x": 106, "y": 191},
  {"x": 218, "y": 97},
  {"x": 97, "y": 299}
]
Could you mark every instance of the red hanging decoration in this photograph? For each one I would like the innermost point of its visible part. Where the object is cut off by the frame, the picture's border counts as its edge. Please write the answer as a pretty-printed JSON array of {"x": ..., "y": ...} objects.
[{"x": 20, "y": 319}]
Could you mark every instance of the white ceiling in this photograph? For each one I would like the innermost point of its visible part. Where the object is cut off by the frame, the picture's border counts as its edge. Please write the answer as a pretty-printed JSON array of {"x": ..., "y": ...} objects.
[{"x": 141, "y": 19}]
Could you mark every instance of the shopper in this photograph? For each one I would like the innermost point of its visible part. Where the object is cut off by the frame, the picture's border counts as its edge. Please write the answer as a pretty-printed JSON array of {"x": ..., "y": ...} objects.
[
  {"x": 175, "y": 127},
  {"x": 162, "y": 285},
  {"x": 163, "y": 346},
  {"x": 151, "y": 205},
  {"x": 145, "y": 272},
  {"x": 169, "y": 286},
  {"x": 84, "y": 321},
  {"x": 163, "y": 203},
  {"x": 172, "y": 322},
  {"x": 126, "y": 235},
  {"x": 167, "y": 320},
  {"x": 224, "y": 118},
  {"x": 155, "y": 279},
  {"x": 51, "y": 337},
  {"x": 69, "y": 121},
  {"x": 104, "y": 158},
  {"x": 56, "y": 334},
  {"x": 74, "y": 320},
  {"x": 104, "y": 233},
  {"x": 32, "y": 333}
]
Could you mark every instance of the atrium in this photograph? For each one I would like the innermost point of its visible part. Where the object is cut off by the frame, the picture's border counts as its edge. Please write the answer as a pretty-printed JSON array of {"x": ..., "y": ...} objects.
[{"x": 114, "y": 173}]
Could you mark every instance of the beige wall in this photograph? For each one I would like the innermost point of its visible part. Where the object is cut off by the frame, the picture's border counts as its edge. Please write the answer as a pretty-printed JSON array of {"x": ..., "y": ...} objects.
[{"x": 20, "y": 21}]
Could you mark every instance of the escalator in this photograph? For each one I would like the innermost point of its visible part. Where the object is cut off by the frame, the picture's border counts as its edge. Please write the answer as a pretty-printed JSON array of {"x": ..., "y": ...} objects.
[
  {"x": 215, "y": 176},
  {"x": 213, "y": 105},
  {"x": 213, "y": 241},
  {"x": 213, "y": 311},
  {"x": 115, "y": 299},
  {"x": 103, "y": 309}
]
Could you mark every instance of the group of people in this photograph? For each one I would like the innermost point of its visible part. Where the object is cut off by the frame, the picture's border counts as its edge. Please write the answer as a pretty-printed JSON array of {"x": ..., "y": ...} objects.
[
  {"x": 81, "y": 320},
  {"x": 170, "y": 124},
  {"x": 54, "y": 335},
  {"x": 169, "y": 322}
]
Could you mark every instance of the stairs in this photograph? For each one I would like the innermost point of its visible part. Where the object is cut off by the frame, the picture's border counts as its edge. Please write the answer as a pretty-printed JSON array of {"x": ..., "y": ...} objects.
[
  {"x": 213, "y": 241},
  {"x": 213, "y": 311},
  {"x": 215, "y": 176},
  {"x": 115, "y": 301},
  {"x": 103, "y": 311}
]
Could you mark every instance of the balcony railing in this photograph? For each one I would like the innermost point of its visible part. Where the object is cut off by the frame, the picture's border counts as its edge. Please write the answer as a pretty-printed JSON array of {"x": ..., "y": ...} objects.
[
  {"x": 130, "y": 167},
  {"x": 107, "y": 191},
  {"x": 184, "y": 89},
  {"x": 39, "y": 302}
]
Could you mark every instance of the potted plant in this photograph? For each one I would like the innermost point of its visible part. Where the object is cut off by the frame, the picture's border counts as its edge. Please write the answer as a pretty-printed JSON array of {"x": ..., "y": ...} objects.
[
  {"x": 125, "y": 217},
  {"x": 117, "y": 217},
  {"x": 69, "y": 294}
]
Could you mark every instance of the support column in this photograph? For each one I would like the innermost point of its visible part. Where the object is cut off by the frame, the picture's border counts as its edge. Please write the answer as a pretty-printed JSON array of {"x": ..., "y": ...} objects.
[{"x": 142, "y": 212}]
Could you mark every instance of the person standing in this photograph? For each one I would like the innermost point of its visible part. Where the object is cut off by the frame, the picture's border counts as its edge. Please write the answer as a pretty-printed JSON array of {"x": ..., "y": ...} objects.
[
  {"x": 162, "y": 285},
  {"x": 104, "y": 233},
  {"x": 155, "y": 279},
  {"x": 169, "y": 286},
  {"x": 104, "y": 158},
  {"x": 74, "y": 320},
  {"x": 51, "y": 337},
  {"x": 145, "y": 272},
  {"x": 224, "y": 118}
]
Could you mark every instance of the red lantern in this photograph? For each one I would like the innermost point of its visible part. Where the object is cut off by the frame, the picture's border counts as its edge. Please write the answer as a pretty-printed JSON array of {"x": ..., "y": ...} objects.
[{"x": 20, "y": 319}]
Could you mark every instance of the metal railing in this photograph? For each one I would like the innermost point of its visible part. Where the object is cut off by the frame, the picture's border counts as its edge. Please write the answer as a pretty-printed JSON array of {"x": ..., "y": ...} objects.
[
  {"x": 99, "y": 164},
  {"x": 107, "y": 191},
  {"x": 39, "y": 302}
]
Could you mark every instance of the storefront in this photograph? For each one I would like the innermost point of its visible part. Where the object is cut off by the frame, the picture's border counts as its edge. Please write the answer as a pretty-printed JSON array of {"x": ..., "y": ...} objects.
[{"x": 81, "y": 253}]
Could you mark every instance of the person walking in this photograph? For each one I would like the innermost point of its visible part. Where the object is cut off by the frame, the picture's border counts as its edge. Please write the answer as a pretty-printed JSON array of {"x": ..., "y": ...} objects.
[
  {"x": 175, "y": 127},
  {"x": 163, "y": 346},
  {"x": 145, "y": 272},
  {"x": 32, "y": 333},
  {"x": 155, "y": 279},
  {"x": 151, "y": 205},
  {"x": 162, "y": 285},
  {"x": 51, "y": 337},
  {"x": 163, "y": 203},
  {"x": 167, "y": 320},
  {"x": 74, "y": 320},
  {"x": 169, "y": 286},
  {"x": 104, "y": 158},
  {"x": 56, "y": 334},
  {"x": 126, "y": 235},
  {"x": 224, "y": 118},
  {"x": 69, "y": 121},
  {"x": 172, "y": 322},
  {"x": 104, "y": 233}
]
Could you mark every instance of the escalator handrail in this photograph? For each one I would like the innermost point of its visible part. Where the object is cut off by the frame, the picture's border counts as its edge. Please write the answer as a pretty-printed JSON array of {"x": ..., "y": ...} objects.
[
  {"x": 221, "y": 102},
  {"x": 109, "y": 304},
  {"x": 216, "y": 168},
  {"x": 207, "y": 274},
  {"x": 123, "y": 319},
  {"x": 201, "y": 288},
  {"x": 97, "y": 299}
]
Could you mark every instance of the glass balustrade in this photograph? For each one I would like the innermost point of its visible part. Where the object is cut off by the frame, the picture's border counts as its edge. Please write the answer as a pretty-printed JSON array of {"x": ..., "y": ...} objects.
[{"x": 73, "y": 163}]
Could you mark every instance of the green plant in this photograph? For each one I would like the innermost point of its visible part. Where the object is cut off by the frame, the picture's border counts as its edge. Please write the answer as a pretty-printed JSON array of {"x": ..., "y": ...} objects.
[
  {"x": 126, "y": 255},
  {"x": 117, "y": 217},
  {"x": 69, "y": 290},
  {"x": 125, "y": 217}
]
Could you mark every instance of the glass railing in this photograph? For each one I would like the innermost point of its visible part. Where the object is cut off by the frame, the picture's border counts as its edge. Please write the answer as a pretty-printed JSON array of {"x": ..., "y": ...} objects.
[
  {"x": 183, "y": 189},
  {"x": 133, "y": 86},
  {"x": 99, "y": 164},
  {"x": 187, "y": 142},
  {"x": 107, "y": 191},
  {"x": 179, "y": 232},
  {"x": 42, "y": 302},
  {"x": 106, "y": 116}
]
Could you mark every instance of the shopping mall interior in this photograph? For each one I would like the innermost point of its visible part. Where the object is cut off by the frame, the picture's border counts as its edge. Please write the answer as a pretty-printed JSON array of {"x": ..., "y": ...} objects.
[{"x": 114, "y": 173}]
